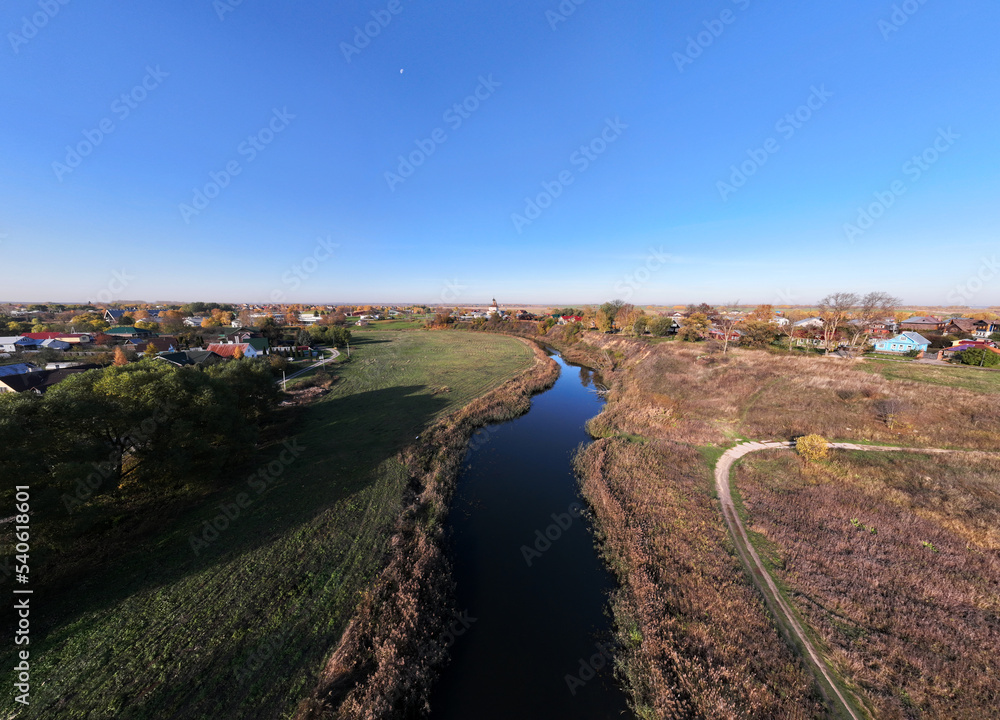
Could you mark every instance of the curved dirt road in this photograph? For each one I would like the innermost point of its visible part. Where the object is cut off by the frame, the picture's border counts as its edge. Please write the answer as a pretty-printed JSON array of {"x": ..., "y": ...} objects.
[{"x": 762, "y": 579}]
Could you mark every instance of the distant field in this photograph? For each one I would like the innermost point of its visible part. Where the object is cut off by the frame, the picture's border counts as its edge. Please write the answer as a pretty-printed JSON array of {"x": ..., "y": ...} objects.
[
  {"x": 240, "y": 630},
  {"x": 410, "y": 324},
  {"x": 892, "y": 559},
  {"x": 967, "y": 378}
]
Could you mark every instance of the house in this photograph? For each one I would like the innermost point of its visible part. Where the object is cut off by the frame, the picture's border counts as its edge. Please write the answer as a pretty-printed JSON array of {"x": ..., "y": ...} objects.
[
  {"x": 165, "y": 343},
  {"x": 40, "y": 380},
  {"x": 18, "y": 369},
  {"x": 780, "y": 321},
  {"x": 567, "y": 319},
  {"x": 72, "y": 338},
  {"x": 984, "y": 328},
  {"x": 193, "y": 321},
  {"x": 19, "y": 343},
  {"x": 903, "y": 343},
  {"x": 190, "y": 357},
  {"x": 960, "y": 326},
  {"x": 128, "y": 331},
  {"x": 962, "y": 345},
  {"x": 812, "y": 323},
  {"x": 228, "y": 350},
  {"x": 113, "y": 317},
  {"x": 927, "y": 323},
  {"x": 55, "y": 344},
  {"x": 884, "y": 328}
]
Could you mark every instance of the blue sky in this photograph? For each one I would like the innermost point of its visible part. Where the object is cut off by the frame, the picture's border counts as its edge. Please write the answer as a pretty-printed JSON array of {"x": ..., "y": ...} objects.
[{"x": 681, "y": 92}]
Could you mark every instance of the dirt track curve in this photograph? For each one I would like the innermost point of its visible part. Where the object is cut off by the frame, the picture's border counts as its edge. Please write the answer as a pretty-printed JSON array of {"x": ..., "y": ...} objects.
[{"x": 751, "y": 561}]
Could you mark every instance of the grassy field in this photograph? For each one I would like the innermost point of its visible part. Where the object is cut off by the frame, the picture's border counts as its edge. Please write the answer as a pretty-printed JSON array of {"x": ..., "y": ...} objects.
[
  {"x": 967, "y": 378},
  {"x": 892, "y": 560},
  {"x": 241, "y": 627}
]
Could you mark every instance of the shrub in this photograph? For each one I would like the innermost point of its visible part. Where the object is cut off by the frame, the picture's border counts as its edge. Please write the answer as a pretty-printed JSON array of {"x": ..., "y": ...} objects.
[{"x": 812, "y": 448}]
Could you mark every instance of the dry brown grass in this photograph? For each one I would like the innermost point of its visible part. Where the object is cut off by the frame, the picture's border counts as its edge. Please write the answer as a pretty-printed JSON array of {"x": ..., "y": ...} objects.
[
  {"x": 697, "y": 640},
  {"x": 894, "y": 559}
]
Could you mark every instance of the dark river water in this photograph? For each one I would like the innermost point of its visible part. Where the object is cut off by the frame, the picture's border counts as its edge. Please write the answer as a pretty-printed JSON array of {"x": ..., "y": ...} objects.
[{"x": 531, "y": 635}]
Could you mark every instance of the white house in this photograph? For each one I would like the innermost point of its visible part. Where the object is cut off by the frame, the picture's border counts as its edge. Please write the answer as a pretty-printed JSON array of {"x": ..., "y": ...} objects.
[
  {"x": 10, "y": 343},
  {"x": 809, "y": 323}
]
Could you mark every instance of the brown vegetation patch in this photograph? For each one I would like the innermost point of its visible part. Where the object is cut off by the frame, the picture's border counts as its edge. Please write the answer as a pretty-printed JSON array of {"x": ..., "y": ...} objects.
[
  {"x": 895, "y": 560},
  {"x": 697, "y": 639}
]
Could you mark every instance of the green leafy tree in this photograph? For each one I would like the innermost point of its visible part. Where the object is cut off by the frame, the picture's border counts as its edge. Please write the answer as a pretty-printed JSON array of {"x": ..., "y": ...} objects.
[{"x": 694, "y": 327}]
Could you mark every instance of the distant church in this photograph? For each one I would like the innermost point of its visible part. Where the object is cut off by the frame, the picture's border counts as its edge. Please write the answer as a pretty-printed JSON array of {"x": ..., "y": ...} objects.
[{"x": 493, "y": 309}]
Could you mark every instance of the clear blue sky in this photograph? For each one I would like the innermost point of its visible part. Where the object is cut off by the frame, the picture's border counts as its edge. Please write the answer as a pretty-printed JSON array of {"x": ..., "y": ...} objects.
[{"x": 448, "y": 232}]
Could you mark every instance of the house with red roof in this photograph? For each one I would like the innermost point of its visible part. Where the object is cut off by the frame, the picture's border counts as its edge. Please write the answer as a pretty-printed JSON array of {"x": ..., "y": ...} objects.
[{"x": 228, "y": 350}]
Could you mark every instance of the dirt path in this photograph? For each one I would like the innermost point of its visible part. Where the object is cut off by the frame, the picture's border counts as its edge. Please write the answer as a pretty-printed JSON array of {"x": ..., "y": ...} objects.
[{"x": 762, "y": 578}]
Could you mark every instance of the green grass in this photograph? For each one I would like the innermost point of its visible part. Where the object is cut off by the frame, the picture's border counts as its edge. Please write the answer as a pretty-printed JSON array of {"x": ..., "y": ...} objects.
[
  {"x": 162, "y": 632},
  {"x": 966, "y": 378},
  {"x": 412, "y": 324}
]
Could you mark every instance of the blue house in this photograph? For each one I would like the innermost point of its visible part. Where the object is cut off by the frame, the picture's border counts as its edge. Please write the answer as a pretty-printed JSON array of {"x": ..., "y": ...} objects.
[{"x": 903, "y": 343}]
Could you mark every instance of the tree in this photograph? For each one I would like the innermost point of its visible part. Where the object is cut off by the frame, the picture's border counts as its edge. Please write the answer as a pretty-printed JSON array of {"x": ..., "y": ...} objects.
[
  {"x": 758, "y": 333},
  {"x": 835, "y": 309},
  {"x": 874, "y": 307},
  {"x": 120, "y": 357},
  {"x": 149, "y": 352},
  {"x": 661, "y": 326},
  {"x": 140, "y": 315},
  {"x": 980, "y": 357},
  {"x": 126, "y": 320},
  {"x": 605, "y": 321},
  {"x": 727, "y": 321},
  {"x": 694, "y": 327},
  {"x": 238, "y": 352}
]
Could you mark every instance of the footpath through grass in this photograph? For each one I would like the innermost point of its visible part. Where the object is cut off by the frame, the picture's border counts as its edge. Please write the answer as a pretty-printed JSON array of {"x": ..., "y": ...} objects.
[{"x": 240, "y": 628}]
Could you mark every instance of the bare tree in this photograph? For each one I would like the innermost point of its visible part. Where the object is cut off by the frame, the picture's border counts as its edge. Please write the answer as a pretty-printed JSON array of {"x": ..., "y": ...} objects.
[
  {"x": 835, "y": 309},
  {"x": 727, "y": 321},
  {"x": 874, "y": 308}
]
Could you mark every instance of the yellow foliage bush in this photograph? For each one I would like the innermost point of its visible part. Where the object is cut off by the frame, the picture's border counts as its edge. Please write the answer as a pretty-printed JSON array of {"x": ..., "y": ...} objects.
[{"x": 812, "y": 447}]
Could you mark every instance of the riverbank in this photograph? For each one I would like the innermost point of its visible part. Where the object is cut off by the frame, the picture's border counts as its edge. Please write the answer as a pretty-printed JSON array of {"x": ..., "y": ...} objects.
[
  {"x": 229, "y": 606},
  {"x": 385, "y": 663},
  {"x": 696, "y": 638}
]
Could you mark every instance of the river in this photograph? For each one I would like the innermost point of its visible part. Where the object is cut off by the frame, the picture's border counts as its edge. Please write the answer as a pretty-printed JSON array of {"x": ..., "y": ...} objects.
[{"x": 532, "y": 632}]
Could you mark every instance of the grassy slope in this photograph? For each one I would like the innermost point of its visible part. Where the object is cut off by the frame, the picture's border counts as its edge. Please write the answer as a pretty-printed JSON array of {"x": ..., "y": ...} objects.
[
  {"x": 967, "y": 378},
  {"x": 164, "y": 633}
]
